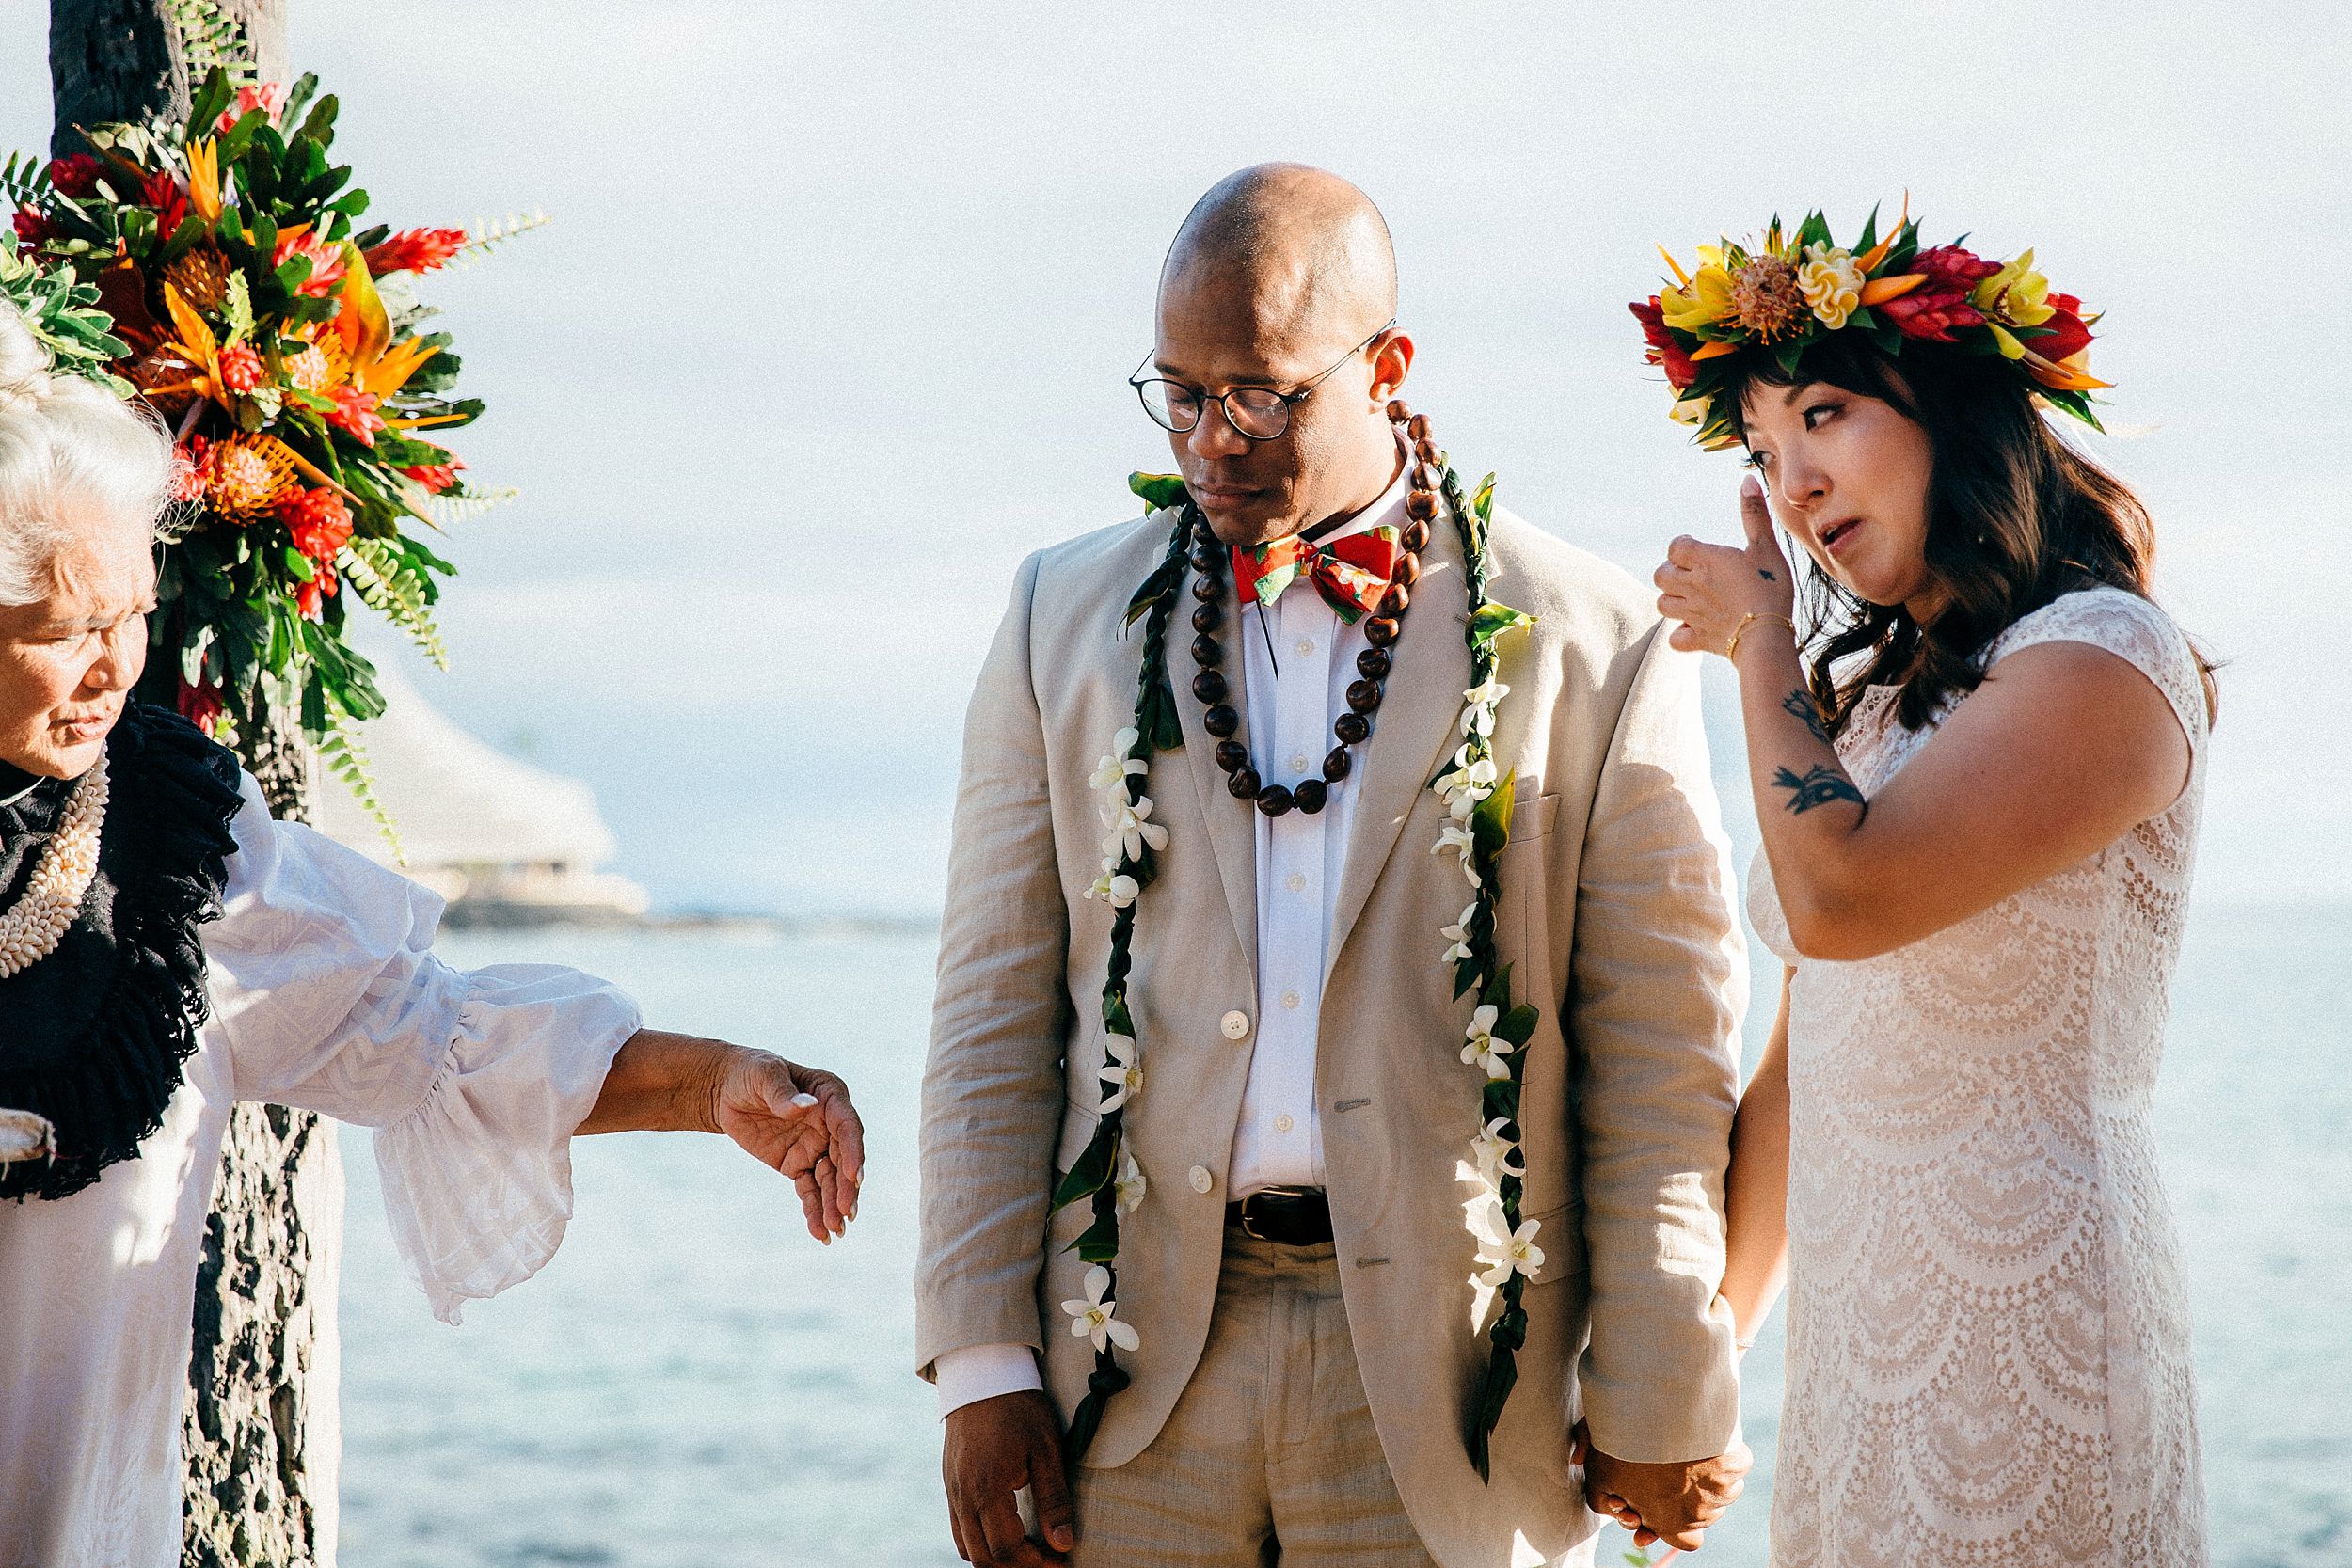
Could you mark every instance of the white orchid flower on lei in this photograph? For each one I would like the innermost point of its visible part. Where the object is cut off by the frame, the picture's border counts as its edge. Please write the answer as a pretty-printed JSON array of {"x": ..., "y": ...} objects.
[
  {"x": 1494, "y": 1154},
  {"x": 1471, "y": 781},
  {"x": 1505, "y": 1255},
  {"x": 1457, "y": 837},
  {"x": 1131, "y": 1186},
  {"x": 1458, "y": 934},
  {"x": 1123, "y": 1073},
  {"x": 1132, "y": 829},
  {"x": 1114, "y": 769},
  {"x": 1093, "y": 1318},
  {"x": 1478, "y": 712},
  {"x": 1483, "y": 1047},
  {"x": 1115, "y": 887}
]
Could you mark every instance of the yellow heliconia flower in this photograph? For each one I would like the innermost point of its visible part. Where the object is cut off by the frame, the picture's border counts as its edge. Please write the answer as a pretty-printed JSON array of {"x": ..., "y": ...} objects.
[
  {"x": 1831, "y": 284},
  {"x": 1690, "y": 411},
  {"x": 2018, "y": 292},
  {"x": 1708, "y": 299}
]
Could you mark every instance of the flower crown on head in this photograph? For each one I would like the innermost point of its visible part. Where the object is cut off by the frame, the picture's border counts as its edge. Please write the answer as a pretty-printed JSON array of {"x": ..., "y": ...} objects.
[{"x": 1791, "y": 291}]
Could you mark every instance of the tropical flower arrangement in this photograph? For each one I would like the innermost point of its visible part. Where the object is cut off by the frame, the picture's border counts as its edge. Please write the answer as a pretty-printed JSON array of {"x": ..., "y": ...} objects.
[
  {"x": 1791, "y": 290},
  {"x": 284, "y": 349}
]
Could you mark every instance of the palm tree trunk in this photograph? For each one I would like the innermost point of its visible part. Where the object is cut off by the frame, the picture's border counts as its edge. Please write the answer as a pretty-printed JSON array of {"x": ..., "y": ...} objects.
[{"x": 259, "y": 1427}]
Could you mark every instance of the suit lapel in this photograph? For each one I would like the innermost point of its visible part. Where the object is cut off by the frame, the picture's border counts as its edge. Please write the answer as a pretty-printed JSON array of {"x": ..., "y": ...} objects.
[
  {"x": 1413, "y": 732},
  {"x": 1232, "y": 824}
]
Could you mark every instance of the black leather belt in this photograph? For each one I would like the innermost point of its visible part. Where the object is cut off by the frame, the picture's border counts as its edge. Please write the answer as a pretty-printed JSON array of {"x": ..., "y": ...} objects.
[{"x": 1291, "y": 1216}]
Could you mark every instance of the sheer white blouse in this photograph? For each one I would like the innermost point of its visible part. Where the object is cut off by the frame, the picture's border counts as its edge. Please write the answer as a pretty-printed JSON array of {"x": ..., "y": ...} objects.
[{"x": 326, "y": 997}]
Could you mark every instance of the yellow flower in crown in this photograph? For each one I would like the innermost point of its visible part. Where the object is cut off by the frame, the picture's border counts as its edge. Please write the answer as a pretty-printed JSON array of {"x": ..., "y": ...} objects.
[
  {"x": 1779, "y": 296},
  {"x": 1831, "y": 284}
]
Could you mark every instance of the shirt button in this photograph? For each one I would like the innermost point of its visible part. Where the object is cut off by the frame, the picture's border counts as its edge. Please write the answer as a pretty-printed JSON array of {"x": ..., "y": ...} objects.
[
  {"x": 1235, "y": 1024},
  {"x": 1305, "y": 646},
  {"x": 1201, "y": 1180},
  {"x": 1297, "y": 882},
  {"x": 1290, "y": 999},
  {"x": 1283, "y": 1123},
  {"x": 1298, "y": 762}
]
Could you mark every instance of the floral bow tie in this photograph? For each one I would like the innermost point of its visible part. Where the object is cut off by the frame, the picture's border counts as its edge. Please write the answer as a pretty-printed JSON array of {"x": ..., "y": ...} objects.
[{"x": 1351, "y": 574}]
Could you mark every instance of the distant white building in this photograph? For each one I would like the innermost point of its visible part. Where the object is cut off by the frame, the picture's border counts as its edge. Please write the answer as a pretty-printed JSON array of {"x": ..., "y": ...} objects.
[{"x": 505, "y": 843}]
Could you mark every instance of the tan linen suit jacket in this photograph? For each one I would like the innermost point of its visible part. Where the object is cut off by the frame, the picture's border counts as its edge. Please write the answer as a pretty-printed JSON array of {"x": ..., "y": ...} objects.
[{"x": 1616, "y": 915}]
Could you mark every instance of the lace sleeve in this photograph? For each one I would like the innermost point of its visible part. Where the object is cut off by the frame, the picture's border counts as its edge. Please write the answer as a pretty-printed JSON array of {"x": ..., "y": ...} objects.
[{"x": 2129, "y": 627}]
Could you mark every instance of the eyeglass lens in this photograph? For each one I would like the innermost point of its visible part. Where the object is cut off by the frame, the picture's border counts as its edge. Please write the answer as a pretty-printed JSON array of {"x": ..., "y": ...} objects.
[{"x": 1255, "y": 411}]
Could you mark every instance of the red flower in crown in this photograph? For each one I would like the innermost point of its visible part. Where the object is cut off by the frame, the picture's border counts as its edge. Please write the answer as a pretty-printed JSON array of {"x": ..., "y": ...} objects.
[
  {"x": 240, "y": 368},
  {"x": 1663, "y": 350},
  {"x": 1934, "y": 307},
  {"x": 76, "y": 174},
  {"x": 415, "y": 250},
  {"x": 2065, "y": 333}
]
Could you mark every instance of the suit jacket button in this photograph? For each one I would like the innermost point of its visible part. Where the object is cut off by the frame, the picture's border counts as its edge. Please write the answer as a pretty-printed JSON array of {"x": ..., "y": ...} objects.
[
  {"x": 1201, "y": 1180},
  {"x": 1235, "y": 1024}
]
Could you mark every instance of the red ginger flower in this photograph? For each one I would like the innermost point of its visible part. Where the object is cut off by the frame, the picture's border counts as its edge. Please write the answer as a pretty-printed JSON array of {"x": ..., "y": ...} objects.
[
  {"x": 310, "y": 595},
  {"x": 327, "y": 262},
  {"x": 241, "y": 369},
  {"x": 434, "y": 477},
  {"x": 319, "y": 521},
  {"x": 163, "y": 193},
  {"x": 415, "y": 250},
  {"x": 193, "y": 472},
  {"x": 1663, "y": 350},
  {"x": 1934, "y": 307},
  {"x": 354, "y": 415},
  {"x": 31, "y": 228},
  {"x": 76, "y": 176},
  {"x": 269, "y": 97}
]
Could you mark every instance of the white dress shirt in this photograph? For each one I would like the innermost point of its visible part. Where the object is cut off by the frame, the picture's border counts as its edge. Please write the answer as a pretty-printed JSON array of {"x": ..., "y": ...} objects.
[{"x": 1294, "y": 690}]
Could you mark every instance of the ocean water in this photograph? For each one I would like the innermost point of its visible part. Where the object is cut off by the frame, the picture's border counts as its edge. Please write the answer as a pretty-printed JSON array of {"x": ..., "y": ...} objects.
[{"x": 693, "y": 1383}]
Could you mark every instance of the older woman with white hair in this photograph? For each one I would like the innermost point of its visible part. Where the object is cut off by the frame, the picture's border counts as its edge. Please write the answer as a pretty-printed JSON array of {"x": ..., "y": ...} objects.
[{"x": 166, "y": 949}]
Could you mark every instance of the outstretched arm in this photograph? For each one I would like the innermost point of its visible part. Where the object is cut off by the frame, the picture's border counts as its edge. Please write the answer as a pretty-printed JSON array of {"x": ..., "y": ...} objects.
[{"x": 796, "y": 1120}]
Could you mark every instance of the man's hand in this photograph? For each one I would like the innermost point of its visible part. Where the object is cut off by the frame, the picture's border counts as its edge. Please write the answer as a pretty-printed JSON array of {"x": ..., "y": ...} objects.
[
  {"x": 1673, "y": 1503},
  {"x": 994, "y": 1448}
]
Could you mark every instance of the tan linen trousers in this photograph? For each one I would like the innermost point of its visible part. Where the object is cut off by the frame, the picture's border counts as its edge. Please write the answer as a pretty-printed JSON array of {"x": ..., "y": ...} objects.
[{"x": 1269, "y": 1456}]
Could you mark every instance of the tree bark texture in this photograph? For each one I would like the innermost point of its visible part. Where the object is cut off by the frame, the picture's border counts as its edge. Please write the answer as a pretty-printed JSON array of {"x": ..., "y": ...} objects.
[{"x": 259, "y": 1429}]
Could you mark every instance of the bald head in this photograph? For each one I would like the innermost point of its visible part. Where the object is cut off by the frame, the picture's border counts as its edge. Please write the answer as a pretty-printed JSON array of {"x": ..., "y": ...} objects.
[{"x": 1300, "y": 250}]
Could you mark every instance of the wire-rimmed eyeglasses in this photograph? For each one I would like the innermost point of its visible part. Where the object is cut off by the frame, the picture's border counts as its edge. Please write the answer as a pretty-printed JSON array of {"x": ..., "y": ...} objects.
[{"x": 1256, "y": 413}]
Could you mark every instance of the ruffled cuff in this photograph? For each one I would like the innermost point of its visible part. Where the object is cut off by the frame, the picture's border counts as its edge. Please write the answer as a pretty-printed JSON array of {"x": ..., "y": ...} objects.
[{"x": 478, "y": 1177}]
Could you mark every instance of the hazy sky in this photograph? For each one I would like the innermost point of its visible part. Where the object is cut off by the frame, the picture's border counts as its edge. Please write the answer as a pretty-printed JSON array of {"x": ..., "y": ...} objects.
[{"x": 831, "y": 325}]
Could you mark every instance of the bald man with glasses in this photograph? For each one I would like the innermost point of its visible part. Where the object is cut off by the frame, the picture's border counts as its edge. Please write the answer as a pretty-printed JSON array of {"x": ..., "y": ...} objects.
[{"x": 1297, "y": 1343}]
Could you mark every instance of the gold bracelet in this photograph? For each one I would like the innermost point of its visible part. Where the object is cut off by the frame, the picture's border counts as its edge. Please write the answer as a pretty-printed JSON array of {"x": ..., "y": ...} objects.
[{"x": 1732, "y": 651}]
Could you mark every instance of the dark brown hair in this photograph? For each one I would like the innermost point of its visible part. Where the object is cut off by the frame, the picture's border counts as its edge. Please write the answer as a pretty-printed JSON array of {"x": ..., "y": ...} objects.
[{"x": 2016, "y": 516}]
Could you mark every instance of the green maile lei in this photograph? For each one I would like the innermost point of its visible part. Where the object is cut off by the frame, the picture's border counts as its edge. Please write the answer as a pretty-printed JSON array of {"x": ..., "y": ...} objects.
[{"x": 1106, "y": 1176}]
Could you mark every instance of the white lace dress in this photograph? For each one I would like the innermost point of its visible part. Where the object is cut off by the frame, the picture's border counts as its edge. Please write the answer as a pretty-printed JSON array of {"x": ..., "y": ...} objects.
[{"x": 1987, "y": 1335}]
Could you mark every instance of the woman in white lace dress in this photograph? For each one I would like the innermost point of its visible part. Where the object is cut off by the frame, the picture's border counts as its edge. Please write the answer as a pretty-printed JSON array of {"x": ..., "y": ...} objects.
[{"x": 1980, "y": 807}]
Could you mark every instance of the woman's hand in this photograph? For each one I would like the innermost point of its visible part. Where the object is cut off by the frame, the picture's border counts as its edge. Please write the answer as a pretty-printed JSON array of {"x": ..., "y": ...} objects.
[
  {"x": 798, "y": 1122},
  {"x": 1712, "y": 589}
]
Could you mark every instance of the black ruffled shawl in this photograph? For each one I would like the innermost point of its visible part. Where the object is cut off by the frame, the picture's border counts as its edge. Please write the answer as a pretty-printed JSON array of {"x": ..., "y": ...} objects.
[{"x": 96, "y": 1036}]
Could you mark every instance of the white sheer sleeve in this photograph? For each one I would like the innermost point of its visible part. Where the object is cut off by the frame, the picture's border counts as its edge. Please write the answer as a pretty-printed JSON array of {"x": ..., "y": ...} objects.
[{"x": 331, "y": 1000}]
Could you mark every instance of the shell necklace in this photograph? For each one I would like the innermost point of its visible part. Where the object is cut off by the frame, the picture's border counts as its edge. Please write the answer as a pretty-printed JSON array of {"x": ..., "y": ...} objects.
[{"x": 30, "y": 930}]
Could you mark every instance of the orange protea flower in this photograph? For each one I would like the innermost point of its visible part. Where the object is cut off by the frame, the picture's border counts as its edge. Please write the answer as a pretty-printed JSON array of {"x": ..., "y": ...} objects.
[
  {"x": 201, "y": 276},
  {"x": 310, "y": 370},
  {"x": 1768, "y": 298},
  {"x": 249, "y": 474}
]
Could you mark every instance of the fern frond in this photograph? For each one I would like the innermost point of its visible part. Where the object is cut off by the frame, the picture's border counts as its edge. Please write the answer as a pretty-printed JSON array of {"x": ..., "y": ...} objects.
[
  {"x": 489, "y": 234},
  {"x": 22, "y": 177},
  {"x": 449, "y": 510},
  {"x": 208, "y": 36},
  {"x": 346, "y": 757},
  {"x": 386, "y": 585}
]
